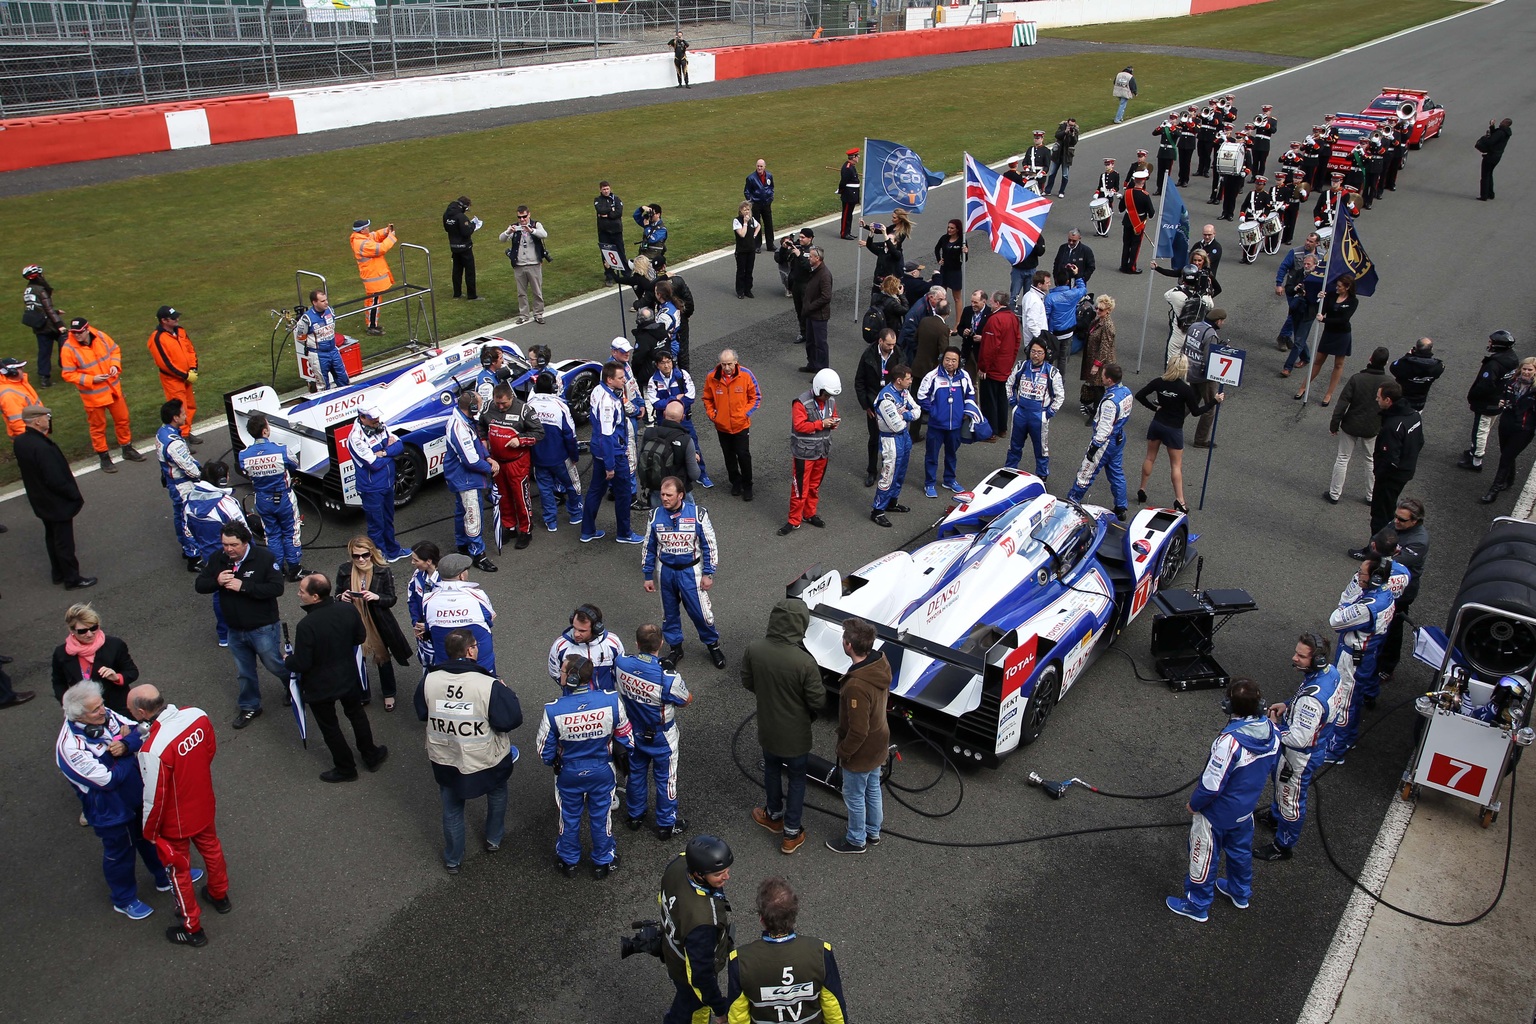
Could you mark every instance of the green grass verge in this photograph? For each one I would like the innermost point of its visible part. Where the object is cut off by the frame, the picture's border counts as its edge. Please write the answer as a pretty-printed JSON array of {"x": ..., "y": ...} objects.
[
  {"x": 1295, "y": 28},
  {"x": 222, "y": 244}
]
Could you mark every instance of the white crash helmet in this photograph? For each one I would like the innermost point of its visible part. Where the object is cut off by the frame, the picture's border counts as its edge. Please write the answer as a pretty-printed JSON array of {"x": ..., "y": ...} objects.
[{"x": 827, "y": 380}]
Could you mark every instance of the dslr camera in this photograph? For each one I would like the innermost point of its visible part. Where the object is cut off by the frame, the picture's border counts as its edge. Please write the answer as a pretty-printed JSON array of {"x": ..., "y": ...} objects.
[{"x": 647, "y": 939}]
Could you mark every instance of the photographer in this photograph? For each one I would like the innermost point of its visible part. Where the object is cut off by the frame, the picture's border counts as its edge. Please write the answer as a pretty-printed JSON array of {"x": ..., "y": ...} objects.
[
  {"x": 1491, "y": 145},
  {"x": 696, "y": 923},
  {"x": 653, "y": 232},
  {"x": 796, "y": 256},
  {"x": 527, "y": 253}
]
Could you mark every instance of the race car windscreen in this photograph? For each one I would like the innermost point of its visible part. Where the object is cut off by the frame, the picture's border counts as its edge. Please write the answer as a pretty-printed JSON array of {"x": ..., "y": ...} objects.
[{"x": 1386, "y": 104}]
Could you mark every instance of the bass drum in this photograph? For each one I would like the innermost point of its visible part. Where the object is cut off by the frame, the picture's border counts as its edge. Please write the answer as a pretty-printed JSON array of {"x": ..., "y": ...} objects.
[{"x": 1229, "y": 158}]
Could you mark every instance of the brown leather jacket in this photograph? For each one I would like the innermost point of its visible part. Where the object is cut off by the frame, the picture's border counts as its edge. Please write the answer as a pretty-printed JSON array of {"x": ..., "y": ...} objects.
[{"x": 862, "y": 732}]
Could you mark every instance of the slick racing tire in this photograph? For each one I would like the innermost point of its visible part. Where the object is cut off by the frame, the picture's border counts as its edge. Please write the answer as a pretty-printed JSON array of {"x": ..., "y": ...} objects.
[
  {"x": 578, "y": 395},
  {"x": 1499, "y": 575},
  {"x": 1041, "y": 703},
  {"x": 1175, "y": 553},
  {"x": 410, "y": 474}
]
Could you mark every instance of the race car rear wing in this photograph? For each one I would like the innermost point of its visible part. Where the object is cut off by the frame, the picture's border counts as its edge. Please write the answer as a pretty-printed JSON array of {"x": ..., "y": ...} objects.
[{"x": 971, "y": 662}]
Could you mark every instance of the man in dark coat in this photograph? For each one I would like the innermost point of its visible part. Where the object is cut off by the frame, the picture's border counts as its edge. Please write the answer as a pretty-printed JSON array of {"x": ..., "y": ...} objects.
[
  {"x": 461, "y": 228},
  {"x": 53, "y": 494},
  {"x": 1491, "y": 145},
  {"x": 1397, "y": 452},
  {"x": 329, "y": 664},
  {"x": 787, "y": 684}
]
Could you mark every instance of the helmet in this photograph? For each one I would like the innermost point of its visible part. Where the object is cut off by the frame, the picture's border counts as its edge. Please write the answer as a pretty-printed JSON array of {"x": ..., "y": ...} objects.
[
  {"x": 31, "y": 270},
  {"x": 708, "y": 854},
  {"x": 1190, "y": 274},
  {"x": 11, "y": 366},
  {"x": 1511, "y": 692},
  {"x": 827, "y": 380},
  {"x": 1501, "y": 340}
]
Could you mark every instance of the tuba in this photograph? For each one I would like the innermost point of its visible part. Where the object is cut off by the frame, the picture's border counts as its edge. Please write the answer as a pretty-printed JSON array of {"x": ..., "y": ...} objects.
[{"x": 1405, "y": 111}]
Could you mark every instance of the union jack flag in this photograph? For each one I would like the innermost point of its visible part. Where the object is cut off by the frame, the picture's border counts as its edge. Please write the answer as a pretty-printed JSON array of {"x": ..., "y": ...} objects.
[{"x": 1011, "y": 215}]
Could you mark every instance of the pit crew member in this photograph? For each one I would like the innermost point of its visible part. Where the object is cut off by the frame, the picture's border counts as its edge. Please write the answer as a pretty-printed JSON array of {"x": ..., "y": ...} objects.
[
  {"x": 512, "y": 429},
  {"x": 268, "y": 463},
  {"x": 895, "y": 412},
  {"x": 178, "y": 472},
  {"x": 1108, "y": 444},
  {"x": 612, "y": 454},
  {"x": 457, "y": 603},
  {"x": 468, "y": 469},
  {"x": 1035, "y": 393},
  {"x": 681, "y": 538},
  {"x": 554, "y": 456},
  {"x": 652, "y": 694},
  {"x": 588, "y": 637},
  {"x": 813, "y": 415},
  {"x": 1242, "y": 759},
  {"x": 1362, "y": 619},
  {"x": 576, "y": 738},
  {"x": 1306, "y": 726},
  {"x": 316, "y": 331},
  {"x": 373, "y": 448},
  {"x": 943, "y": 394}
]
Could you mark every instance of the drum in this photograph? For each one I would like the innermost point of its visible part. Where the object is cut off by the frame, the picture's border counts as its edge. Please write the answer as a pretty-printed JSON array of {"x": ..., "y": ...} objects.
[
  {"x": 1271, "y": 224},
  {"x": 1248, "y": 232},
  {"x": 1099, "y": 208},
  {"x": 1323, "y": 235},
  {"x": 1229, "y": 158}
]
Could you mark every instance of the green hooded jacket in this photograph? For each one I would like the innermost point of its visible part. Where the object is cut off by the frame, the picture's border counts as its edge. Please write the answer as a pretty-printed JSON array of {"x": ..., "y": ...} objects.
[{"x": 786, "y": 680}]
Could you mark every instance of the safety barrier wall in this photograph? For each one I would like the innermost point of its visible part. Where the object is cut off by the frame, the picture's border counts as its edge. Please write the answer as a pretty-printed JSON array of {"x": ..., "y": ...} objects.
[
  {"x": 804, "y": 54},
  {"x": 1064, "y": 13}
]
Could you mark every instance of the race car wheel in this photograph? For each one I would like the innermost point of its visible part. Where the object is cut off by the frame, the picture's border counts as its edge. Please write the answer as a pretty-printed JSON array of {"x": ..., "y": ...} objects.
[
  {"x": 1173, "y": 558},
  {"x": 578, "y": 395},
  {"x": 1041, "y": 703},
  {"x": 410, "y": 474}
]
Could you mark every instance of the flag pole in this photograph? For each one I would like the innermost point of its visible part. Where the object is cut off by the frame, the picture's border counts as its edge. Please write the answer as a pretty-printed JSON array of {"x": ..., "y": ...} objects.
[
  {"x": 1146, "y": 312},
  {"x": 858, "y": 259},
  {"x": 1333, "y": 244}
]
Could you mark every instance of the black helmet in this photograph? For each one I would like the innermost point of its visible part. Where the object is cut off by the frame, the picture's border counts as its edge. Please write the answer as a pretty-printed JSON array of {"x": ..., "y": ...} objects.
[
  {"x": 708, "y": 854},
  {"x": 1190, "y": 274},
  {"x": 1501, "y": 340}
]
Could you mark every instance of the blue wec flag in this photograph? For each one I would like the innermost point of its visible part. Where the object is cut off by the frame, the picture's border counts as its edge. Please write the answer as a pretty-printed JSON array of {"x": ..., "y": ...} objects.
[
  {"x": 895, "y": 178},
  {"x": 1173, "y": 229},
  {"x": 1348, "y": 256}
]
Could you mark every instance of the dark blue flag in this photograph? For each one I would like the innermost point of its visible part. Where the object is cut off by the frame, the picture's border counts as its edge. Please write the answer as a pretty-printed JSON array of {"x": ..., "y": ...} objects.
[
  {"x": 895, "y": 178},
  {"x": 1173, "y": 229},
  {"x": 1348, "y": 256}
]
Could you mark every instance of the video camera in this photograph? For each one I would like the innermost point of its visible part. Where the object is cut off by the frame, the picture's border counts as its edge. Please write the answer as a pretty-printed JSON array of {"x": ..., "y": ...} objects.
[{"x": 647, "y": 939}]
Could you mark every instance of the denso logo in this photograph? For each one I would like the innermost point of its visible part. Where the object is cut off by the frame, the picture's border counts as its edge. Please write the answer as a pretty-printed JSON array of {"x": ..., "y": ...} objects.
[
  {"x": 341, "y": 407},
  {"x": 941, "y": 600}
]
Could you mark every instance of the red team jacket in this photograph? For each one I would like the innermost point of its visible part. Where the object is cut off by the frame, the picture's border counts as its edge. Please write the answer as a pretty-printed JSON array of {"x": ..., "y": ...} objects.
[{"x": 176, "y": 761}]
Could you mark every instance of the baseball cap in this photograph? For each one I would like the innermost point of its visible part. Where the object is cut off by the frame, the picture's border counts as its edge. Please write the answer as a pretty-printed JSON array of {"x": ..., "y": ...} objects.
[
  {"x": 79, "y": 323},
  {"x": 450, "y": 566},
  {"x": 807, "y": 233},
  {"x": 373, "y": 412},
  {"x": 621, "y": 345},
  {"x": 167, "y": 313}
]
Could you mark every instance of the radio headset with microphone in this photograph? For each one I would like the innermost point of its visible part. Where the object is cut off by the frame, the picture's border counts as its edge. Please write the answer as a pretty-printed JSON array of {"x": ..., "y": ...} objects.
[
  {"x": 1381, "y": 573},
  {"x": 1319, "y": 645},
  {"x": 593, "y": 614}
]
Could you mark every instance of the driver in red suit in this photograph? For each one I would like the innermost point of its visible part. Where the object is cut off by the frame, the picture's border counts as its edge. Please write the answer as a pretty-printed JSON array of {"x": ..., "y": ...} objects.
[{"x": 511, "y": 429}]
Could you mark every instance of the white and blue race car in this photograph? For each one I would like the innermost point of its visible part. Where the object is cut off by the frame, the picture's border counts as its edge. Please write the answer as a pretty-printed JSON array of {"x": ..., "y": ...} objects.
[
  {"x": 989, "y": 625},
  {"x": 415, "y": 394}
]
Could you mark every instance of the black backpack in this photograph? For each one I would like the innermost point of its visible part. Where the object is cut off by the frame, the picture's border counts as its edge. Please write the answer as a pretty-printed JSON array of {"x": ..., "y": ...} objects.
[
  {"x": 874, "y": 323},
  {"x": 661, "y": 456}
]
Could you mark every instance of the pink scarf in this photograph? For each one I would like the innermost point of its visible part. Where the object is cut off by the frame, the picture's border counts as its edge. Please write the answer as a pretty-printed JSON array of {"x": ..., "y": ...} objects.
[{"x": 85, "y": 652}]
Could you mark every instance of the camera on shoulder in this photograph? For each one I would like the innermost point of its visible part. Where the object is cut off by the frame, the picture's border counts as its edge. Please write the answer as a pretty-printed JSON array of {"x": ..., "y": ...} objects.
[{"x": 647, "y": 939}]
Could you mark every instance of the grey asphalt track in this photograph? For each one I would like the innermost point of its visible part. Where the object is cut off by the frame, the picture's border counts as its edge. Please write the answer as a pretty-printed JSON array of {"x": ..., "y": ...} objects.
[{"x": 342, "y": 911}]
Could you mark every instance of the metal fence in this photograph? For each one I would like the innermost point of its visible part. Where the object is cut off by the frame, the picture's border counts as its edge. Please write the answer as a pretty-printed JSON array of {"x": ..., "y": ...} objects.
[{"x": 86, "y": 54}]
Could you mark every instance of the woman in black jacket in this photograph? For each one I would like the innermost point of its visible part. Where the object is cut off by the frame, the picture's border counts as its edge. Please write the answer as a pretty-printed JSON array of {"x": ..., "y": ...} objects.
[
  {"x": 749, "y": 235},
  {"x": 1171, "y": 400},
  {"x": 950, "y": 251},
  {"x": 891, "y": 303},
  {"x": 1336, "y": 340},
  {"x": 1517, "y": 426},
  {"x": 366, "y": 583},
  {"x": 88, "y": 653}
]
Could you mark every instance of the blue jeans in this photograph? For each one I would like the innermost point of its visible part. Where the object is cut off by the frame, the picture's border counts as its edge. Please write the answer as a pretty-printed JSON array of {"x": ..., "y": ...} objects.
[
  {"x": 1020, "y": 279},
  {"x": 866, "y": 806},
  {"x": 247, "y": 645},
  {"x": 1050, "y": 182},
  {"x": 453, "y": 822},
  {"x": 119, "y": 843},
  {"x": 1298, "y": 327},
  {"x": 219, "y": 625},
  {"x": 774, "y": 770},
  {"x": 1120, "y": 111}
]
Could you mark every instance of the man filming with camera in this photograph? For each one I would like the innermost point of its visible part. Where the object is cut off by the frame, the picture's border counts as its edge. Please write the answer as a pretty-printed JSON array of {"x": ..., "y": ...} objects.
[{"x": 697, "y": 935}]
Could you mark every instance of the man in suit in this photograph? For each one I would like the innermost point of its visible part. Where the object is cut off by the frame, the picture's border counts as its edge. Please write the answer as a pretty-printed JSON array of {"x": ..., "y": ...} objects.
[{"x": 53, "y": 494}]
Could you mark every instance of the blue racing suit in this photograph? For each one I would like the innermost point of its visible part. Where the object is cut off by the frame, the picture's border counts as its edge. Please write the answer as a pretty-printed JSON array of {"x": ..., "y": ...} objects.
[
  {"x": 684, "y": 543},
  {"x": 943, "y": 397},
  {"x": 208, "y": 508},
  {"x": 554, "y": 459},
  {"x": 602, "y": 651},
  {"x": 268, "y": 464},
  {"x": 1035, "y": 393},
  {"x": 460, "y": 604},
  {"x": 178, "y": 472},
  {"x": 574, "y": 737},
  {"x": 668, "y": 316},
  {"x": 1308, "y": 728},
  {"x": 652, "y": 236},
  {"x": 485, "y": 386},
  {"x": 1242, "y": 760},
  {"x": 467, "y": 469},
  {"x": 895, "y": 410},
  {"x": 1107, "y": 446},
  {"x": 317, "y": 332},
  {"x": 651, "y": 696},
  {"x": 373, "y": 460},
  {"x": 421, "y": 585},
  {"x": 659, "y": 391},
  {"x": 1362, "y": 620},
  {"x": 611, "y": 443}
]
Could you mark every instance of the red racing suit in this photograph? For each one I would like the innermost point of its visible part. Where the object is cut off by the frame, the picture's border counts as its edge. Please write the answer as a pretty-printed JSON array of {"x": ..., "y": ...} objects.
[
  {"x": 510, "y": 435},
  {"x": 176, "y": 761}
]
